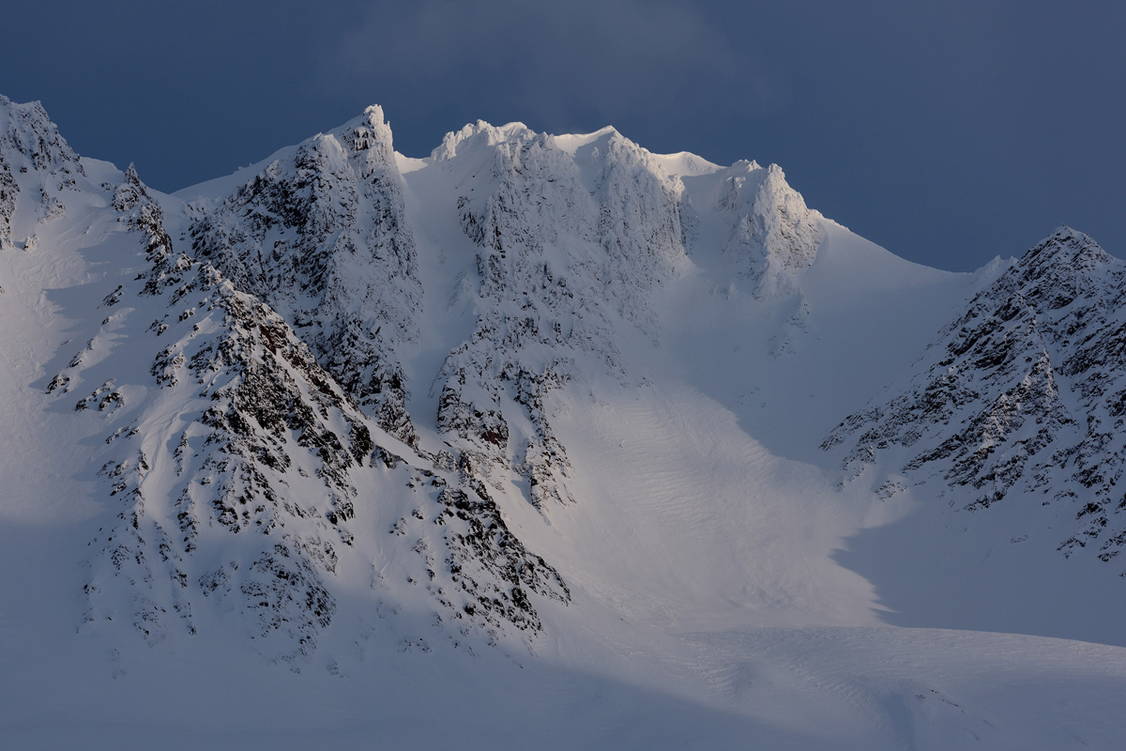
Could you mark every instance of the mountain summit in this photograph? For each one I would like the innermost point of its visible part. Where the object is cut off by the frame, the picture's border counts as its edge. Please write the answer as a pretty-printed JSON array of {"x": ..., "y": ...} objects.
[{"x": 542, "y": 436}]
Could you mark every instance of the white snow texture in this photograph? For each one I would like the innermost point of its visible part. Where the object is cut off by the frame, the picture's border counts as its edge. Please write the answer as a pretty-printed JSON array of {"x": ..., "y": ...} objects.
[{"x": 542, "y": 441}]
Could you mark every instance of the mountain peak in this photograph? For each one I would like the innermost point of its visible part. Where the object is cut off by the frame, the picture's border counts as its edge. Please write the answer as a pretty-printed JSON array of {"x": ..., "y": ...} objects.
[
  {"x": 373, "y": 113},
  {"x": 543, "y": 406},
  {"x": 369, "y": 131},
  {"x": 479, "y": 132},
  {"x": 9, "y": 108},
  {"x": 1066, "y": 245},
  {"x": 29, "y": 138}
]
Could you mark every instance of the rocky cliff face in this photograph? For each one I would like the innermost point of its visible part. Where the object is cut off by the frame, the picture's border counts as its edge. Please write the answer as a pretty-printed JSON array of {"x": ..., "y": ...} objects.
[
  {"x": 1023, "y": 392},
  {"x": 239, "y": 475},
  {"x": 568, "y": 245},
  {"x": 527, "y": 430},
  {"x": 34, "y": 160},
  {"x": 572, "y": 235},
  {"x": 319, "y": 234},
  {"x": 772, "y": 234},
  {"x": 259, "y": 443},
  {"x": 248, "y": 385},
  {"x": 295, "y": 297}
]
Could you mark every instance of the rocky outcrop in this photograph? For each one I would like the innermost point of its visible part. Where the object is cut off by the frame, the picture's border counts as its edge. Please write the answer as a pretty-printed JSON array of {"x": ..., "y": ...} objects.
[
  {"x": 572, "y": 237},
  {"x": 773, "y": 235},
  {"x": 254, "y": 415},
  {"x": 319, "y": 234},
  {"x": 34, "y": 159},
  {"x": 240, "y": 473},
  {"x": 567, "y": 244},
  {"x": 1022, "y": 392}
]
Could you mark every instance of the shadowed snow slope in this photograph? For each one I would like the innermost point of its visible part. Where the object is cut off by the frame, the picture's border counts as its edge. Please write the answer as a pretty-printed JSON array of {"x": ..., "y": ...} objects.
[{"x": 541, "y": 437}]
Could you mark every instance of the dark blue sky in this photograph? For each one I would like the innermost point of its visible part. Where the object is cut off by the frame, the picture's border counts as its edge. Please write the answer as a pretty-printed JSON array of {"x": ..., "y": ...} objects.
[{"x": 949, "y": 131}]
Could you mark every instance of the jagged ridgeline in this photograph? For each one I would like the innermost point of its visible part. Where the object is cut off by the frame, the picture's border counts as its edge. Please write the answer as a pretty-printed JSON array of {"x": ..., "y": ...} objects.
[
  {"x": 569, "y": 238},
  {"x": 320, "y": 236},
  {"x": 1023, "y": 394},
  {"x": 249, "y": 376},
  {"x": 253, "y": 372},
  {"x": 244, "y": 486},
  {"x": 336, "y": 390}
]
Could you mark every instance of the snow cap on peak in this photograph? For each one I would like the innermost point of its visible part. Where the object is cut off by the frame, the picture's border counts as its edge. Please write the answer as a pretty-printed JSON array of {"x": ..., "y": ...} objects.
[
  {"x": 31, "y": 138},
  {"x": 30, "y": 114},
  {"x": 373, "y": 113},
  {"x": 1068, "y": 234},
  {"x": 480, "y": 132},
  {"x": 570, "y": 143},
  {"x": 776, "y": 189},
  {"x": 608, "y": 132},
  {"x": 1066, "y": 245},
  {"x": 368, "y": 131},
  {"x": 9, "y": 109},
  {"x": 131, "y": 191},
  {"x": 993, "y": 266},
  {"x": 130, "y": 177}
]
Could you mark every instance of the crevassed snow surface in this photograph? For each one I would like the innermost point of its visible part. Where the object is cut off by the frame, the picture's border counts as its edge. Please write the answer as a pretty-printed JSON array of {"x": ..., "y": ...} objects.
[{"x": 728, "y": 588}]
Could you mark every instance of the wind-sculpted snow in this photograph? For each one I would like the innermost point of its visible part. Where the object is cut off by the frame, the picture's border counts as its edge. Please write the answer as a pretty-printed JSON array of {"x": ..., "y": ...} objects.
[{"x": 1023, "y": 392}]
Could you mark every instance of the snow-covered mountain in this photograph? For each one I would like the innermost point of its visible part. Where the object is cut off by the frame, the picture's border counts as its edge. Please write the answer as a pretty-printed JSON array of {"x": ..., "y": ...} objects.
[
  {"x": 547, "y": 435},
  {"x": 1025, "y": 391}
]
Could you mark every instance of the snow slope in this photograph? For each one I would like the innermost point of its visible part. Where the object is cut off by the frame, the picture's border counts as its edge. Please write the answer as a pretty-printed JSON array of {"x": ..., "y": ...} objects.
[{"x": 535, "y": 439}]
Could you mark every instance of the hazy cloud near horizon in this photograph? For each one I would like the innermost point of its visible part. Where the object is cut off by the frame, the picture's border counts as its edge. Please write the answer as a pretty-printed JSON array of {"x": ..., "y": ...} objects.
[{"x": 947, "y": 131}]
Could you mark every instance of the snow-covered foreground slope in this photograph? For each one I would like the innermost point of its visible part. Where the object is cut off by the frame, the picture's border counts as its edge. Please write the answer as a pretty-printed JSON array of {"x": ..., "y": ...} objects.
[
  {"x": 811, "y": 688},
  {"x": 538, "y": 440}
]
